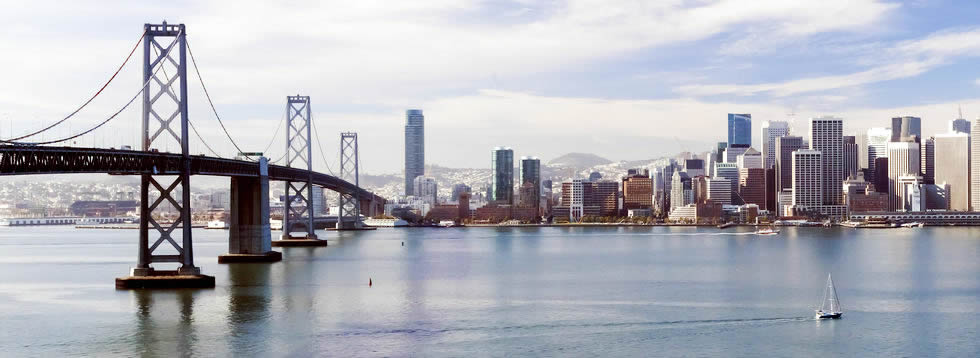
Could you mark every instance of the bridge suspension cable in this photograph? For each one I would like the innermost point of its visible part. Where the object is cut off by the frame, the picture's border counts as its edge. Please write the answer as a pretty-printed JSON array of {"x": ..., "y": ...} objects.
[
  {"x": 189, "y": 122},
  {"x": 318, "y": 144},
  {"x": 208, "y": 96},
  {"x": 79, "y": 109},
  {"x": 114, "y": 115}
]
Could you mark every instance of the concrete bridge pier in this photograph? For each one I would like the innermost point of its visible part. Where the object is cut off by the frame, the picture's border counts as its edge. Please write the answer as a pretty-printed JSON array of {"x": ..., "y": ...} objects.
[{"x": 249, "y": 234}]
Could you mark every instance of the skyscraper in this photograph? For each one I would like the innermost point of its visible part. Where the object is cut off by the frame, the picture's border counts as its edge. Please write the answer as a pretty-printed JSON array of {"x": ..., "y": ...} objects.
[
  {"x": 959, "y": 125},
  {"x": 502, "y": 169},
  {"x": 808, "y": 178},
  {"x": 730, "y": 172},
  {"x": 752, "y": 186},
  {"x": 739, "y": 129},
  {"x": 694, "y": 167},
  {"x": 414, "y": 148},
  {"x": 733, "y": 151},
  {"x": 637, "y": 191},
  {"x": 770, "y": 131},
  {"x": 906, "y": 128},
  {"x": 785, "y": 146},
  {"x": 827, "y": 136},
  {"x": 751, "y": 159},
  {"x": 850, "y": 157},
  {"x": 928, "y": 162},
  {"x": 877, "y": 139},
  {"x": 425, "y": 188},
  {"x": 531, "y": 174},
  {"x": 903, "y": 161},
  {"x": 720, "y": 191},
  {"x": 975, "y": 166},
  {"x": 952, "y": 167}
]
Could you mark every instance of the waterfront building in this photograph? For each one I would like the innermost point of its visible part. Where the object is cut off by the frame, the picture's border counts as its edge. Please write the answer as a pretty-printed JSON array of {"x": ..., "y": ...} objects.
[
  {"x": 739, "y": 129},
  {"x": 784, "y": 199},
  {"x": 502, "y": 171},
  {"x": 952, "y": 167},
  {"x": 850, "y": 157},
  {"x": 827, "y": 136},
  {"x": 927, "y": 149},
  {"x": 808, "y": 178},
  {"x": 903, "y": 161},
  {"x": 785, "y": 146},
  {"x": 729, "y": 171},
  {"x": 414, "y": 148},
  {"x": 606, "y": 196},
  {"x": 877, "y": 146},
  {"x": 751, "y": 158},
  {"x": 752, "y": 186},
  {"x": 637, "y": 191},
  {"x": 425, "y": 188},
  {"x": 531, "y": 177},
  {"x": 906, "y": 129},
  {"x": 910, "y": 196},
  {"x": 770, "y": 131},
  {"x": 582, "y": 198}
]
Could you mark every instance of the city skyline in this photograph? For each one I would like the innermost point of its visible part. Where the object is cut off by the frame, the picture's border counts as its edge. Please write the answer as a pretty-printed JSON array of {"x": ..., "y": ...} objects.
[{"x": 818, "y": 59}]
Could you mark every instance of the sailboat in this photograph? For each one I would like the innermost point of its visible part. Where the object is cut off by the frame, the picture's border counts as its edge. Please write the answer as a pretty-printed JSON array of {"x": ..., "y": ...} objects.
[{"x": 830, "y": 308}]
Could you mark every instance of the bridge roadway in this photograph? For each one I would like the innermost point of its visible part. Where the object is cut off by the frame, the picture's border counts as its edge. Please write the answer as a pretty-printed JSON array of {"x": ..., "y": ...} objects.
[{"x": 32, "y": 160}]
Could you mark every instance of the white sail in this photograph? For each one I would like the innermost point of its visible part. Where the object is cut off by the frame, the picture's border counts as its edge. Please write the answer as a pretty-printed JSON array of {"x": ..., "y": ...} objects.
[{"x": 830, "y": 302}]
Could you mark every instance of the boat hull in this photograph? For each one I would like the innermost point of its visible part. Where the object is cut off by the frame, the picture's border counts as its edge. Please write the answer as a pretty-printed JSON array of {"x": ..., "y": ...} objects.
[{"x": 824, "y": 315}]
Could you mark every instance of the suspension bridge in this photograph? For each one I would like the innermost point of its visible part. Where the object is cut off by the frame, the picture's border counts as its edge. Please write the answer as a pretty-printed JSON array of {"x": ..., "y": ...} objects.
[{"x": 167, "y": 175}]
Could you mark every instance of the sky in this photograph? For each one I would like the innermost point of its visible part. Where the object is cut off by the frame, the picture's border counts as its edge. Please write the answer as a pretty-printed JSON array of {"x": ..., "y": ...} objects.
[{"x": 626, "y": 80}]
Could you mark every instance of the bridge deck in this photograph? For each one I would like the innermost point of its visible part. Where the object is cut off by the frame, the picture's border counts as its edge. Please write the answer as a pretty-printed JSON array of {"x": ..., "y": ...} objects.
[{"x": 33, "y": 160}]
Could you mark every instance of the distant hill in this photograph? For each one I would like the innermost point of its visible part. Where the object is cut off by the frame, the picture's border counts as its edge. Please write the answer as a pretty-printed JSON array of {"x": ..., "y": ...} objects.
[{"x": 578, "y": 160}]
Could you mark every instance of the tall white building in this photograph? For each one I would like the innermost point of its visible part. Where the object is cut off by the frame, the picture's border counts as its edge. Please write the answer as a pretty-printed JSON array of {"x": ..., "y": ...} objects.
[
  {"x": 975, "y": 166},
  {"x": 952, "y": 167},
  {"x": 770, "y": 131},
  {"x": 827, "y": 136},
  {"x": 414, "y": 148},
  {"x": 877, "y": 140},
  {"x": 903, "y": 161},
  {"x": 808, "y": 178}
]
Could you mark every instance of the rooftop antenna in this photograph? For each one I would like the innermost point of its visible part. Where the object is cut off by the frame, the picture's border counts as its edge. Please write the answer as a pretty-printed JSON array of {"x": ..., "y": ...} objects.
[{"x": 960, "y": 108}]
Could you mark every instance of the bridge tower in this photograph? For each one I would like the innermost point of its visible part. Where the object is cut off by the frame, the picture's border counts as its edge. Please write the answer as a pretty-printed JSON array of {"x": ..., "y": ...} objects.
[
  {"x": 350, "y": 204},
  {"x": 299, "y": 153},
  {"x": 161, "y": 108}
]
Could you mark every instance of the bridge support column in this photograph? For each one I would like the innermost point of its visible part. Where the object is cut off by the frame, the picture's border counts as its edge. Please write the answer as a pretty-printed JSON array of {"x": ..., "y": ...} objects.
[
  {"x": 250, "y": 235},
  {"x": 299, "y": 151},
  {"x": 158, "y": 116}
]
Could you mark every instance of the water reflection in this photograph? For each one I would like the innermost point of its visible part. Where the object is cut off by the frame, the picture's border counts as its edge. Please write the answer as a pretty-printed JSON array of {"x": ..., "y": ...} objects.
[
  {"x": 248, "y": 306},
  {"x": 155, "y": 330}
]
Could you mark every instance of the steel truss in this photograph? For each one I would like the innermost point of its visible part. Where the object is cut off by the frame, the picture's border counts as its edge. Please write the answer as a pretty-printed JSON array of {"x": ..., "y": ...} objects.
[
  {"x": 350, "y": 203},
  {"x": 298, "y": 151},
  {"x": 158, "y": 97}
]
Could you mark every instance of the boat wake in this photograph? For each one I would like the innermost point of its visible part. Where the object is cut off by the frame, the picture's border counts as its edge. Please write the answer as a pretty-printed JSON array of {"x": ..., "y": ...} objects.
[{"x": 638, "y": 324}]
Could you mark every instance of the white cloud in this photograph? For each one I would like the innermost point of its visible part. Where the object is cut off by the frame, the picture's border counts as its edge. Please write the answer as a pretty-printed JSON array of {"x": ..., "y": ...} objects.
[{"x": 901, "y": 60}]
